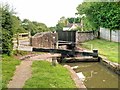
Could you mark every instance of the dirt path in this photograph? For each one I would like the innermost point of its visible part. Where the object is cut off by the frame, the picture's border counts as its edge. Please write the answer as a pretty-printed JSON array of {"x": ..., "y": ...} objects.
[{"x": 24, "y": 71}]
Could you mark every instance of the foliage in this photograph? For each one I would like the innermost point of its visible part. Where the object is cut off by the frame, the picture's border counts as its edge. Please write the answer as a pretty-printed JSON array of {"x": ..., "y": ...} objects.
[
  {"x": 7, "y": 31},
  {"x": 29, "y": 26},
  {"x": 79, "y": 28},
  {"x": 105, "y": 48},
  {"x": 16, "y": 26},
  {"x": 8, "y": 68},
  {"x": 34, "y": 27},
  {"x": 72, "y": 20},
  {"x": 41, "y": 27},
  {"x": 11, "y": 25},
  {"x": 104, "y": 14},
  {"x": 88, "y": 25},
  {"x": 63, "y": 22},
  {"x": 52, "y": 28},
  {"x": 59, "y": 26},
  {"x": 47, "y": 76}
]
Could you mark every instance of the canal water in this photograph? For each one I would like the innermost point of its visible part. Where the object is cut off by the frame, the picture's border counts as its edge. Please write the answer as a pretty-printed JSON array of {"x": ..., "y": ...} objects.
[{"x": 96, "y": 75}]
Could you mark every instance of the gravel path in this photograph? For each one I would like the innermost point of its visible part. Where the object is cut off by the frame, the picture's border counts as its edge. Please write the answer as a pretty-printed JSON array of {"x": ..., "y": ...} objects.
[{"x": 24, "y": 71}]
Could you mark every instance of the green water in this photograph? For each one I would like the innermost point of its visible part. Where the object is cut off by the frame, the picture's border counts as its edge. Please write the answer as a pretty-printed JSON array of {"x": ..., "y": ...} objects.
[{"x": 96, "y": 75}]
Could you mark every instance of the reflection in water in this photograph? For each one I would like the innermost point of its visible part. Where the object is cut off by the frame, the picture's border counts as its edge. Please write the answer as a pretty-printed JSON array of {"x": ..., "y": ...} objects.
[
  {"x": 74, "y": 67},
  {"x": 81, "y": 76},
  {"x": 96, "y": 75}
]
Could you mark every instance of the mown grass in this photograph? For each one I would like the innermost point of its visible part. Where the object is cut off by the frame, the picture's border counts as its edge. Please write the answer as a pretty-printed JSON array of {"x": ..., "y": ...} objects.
[
  {"x": 105, "y": 48},
  {"x": 44, "y": 75},
  {"x": 8, "y": 68}
]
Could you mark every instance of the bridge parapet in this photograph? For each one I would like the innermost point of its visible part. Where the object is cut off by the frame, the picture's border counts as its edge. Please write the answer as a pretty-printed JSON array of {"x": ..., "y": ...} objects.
[{"x": 44, "y": 40}]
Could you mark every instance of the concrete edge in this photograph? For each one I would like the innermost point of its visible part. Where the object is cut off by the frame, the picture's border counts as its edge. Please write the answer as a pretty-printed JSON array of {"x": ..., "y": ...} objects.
[{"x": 78, "y": 82}]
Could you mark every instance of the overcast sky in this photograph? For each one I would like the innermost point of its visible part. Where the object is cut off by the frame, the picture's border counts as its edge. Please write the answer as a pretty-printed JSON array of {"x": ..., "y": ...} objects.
[{"x": 46, "y": 11}]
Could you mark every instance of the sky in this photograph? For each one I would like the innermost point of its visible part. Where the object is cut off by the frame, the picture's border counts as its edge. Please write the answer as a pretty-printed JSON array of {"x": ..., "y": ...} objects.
[{"x": 45, "y": 11}]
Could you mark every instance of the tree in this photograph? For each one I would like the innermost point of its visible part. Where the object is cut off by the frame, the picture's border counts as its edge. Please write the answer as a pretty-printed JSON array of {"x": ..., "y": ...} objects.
[
  {"x": 7, "y": 31},
  {"x": 89, "y": 21},
  {"x": 72, "y": 20},
  {"x": 52, "y": 29},
  {"x": 12, "y": 25},
  {"x": 104, "y": 14},
  {"x": 41, "y": 27},
  {"x": 17, "y": 25},
  {"x": 29, "y": 26},
  {"x": 34, "y": 27},
  {"x": 59, "y": 26},
  {"x": 61, "y": 23}
]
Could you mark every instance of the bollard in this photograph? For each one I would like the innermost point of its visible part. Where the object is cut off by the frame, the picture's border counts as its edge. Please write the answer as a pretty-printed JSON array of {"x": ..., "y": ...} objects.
[{"x": 95, "y": 53}]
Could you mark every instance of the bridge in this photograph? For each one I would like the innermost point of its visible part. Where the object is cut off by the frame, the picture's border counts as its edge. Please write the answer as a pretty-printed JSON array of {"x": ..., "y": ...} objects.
[{"x": 62, "y": 38}]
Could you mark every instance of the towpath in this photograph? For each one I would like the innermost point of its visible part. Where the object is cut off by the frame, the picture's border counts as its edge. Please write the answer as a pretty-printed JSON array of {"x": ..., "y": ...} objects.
[{"x": 24, "y": 71}]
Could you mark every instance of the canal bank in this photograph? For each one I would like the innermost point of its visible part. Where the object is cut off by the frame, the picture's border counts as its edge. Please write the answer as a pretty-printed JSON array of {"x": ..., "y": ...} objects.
[
  {"x": 96, "y": 75},
  {"x": 76, "y": 79},
  {"x": 115, "y": 67}
]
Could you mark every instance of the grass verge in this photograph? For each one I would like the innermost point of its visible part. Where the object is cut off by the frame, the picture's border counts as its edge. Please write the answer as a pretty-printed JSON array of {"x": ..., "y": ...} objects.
[
  {"x": 105, "y": 48},
  {"x": 44, "y": 75},
  {"x": 8, "y": 67}
]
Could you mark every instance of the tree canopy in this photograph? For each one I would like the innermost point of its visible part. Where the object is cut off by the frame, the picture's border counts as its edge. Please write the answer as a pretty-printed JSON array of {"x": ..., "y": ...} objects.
[
  {"x": 63, "y": 22},
  {"x": 101, "y": 14},
  {"x": 34, "y": 27},
  {"x": 11, "y": 25},
  {"x": 17, "y": 25},
  {"x": 72, "y": 20}
]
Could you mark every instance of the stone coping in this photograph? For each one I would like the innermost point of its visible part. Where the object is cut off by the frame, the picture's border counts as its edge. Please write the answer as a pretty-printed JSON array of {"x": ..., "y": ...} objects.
[
  {"x": 111, "y": 65},
  {"x": 76, "y": 79}
]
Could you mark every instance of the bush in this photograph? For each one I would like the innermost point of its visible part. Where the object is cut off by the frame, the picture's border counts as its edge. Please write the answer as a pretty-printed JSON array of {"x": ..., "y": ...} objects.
[{"x": 7, "y": 32}]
